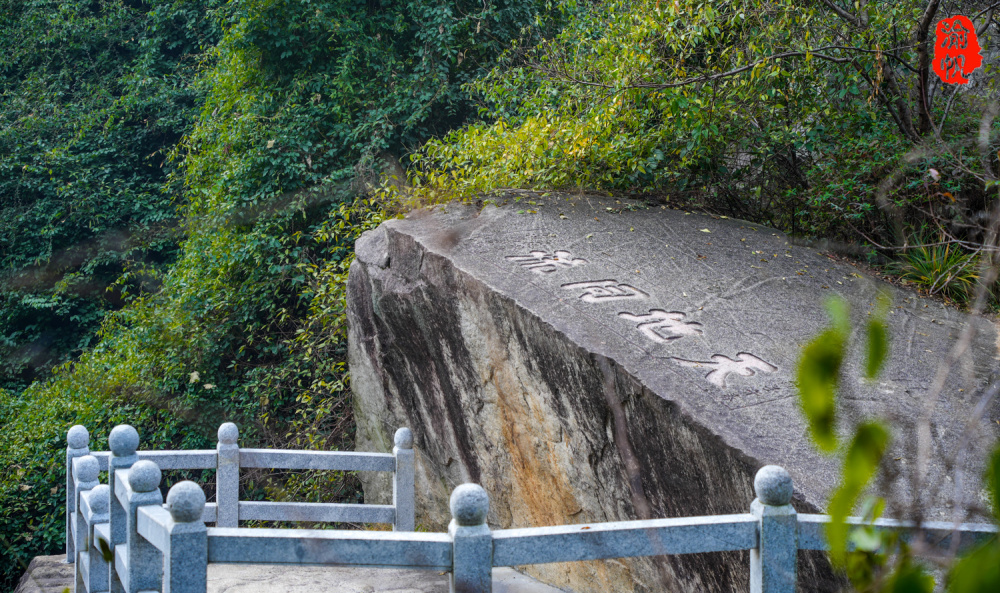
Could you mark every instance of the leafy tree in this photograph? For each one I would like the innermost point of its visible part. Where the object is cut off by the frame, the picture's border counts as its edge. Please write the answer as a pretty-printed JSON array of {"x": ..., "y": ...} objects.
[
  {"x": 93, "y": 96},
  {"x": 815, "y": 117}
]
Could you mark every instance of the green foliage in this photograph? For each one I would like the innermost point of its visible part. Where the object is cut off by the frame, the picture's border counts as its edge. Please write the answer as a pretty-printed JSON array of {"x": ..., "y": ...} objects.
[
  {"x": 980, "y": 570},
  {"x": 940, "y": 269},
  {"x": 93, "y": 93},
  {"x": 784, "y": 113},
  {"x": 872, "y": 560},
  {"x": 861, "y": 461},
  {"x": 877, "y": 350},
  {"x": 289, "y": 111},
  {"x": 818, "y": 376},
  {"x": 909, "y": 578}
]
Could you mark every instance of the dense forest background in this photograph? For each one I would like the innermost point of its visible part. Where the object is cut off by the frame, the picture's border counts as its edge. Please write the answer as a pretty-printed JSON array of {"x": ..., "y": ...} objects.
[{"x": 182, "y": 181}]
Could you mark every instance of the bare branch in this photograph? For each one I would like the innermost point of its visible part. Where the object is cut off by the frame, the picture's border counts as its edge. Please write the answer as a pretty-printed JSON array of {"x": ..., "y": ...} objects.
[
  {"x": 925, "y": 21},
  {"x": 985, "y": 124},
  {"x": 947, "y": 109},
  {"x": 988, "y": 9},
  {"x": 986, "y": 24},
  {"x": 920, "y": 35},
  {"x": 850, "y": 18}
]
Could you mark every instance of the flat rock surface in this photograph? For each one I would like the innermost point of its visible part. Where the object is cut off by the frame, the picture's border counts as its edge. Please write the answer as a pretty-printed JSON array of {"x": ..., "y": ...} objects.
[
  {"x": 46, "y": 574},
  {"x": 49, "y": 574},
  {"x": 586, "y": 360}
]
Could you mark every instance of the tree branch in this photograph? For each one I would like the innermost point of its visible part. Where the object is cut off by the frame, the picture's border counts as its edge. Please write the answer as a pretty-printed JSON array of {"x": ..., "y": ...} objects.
[
  {"x": 988, "y": 20},
  {"x": 850, "y": 18},
  {"x": 698, "y": 79},
  {"x": 920, "y": 35}
]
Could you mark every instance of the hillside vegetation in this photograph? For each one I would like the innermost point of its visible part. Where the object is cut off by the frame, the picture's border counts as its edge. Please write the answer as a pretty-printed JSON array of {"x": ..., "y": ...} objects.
[{"x": 182, "y": 182}]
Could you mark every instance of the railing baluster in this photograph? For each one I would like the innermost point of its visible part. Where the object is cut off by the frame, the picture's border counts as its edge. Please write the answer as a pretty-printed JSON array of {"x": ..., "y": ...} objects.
[
  {"x": 92, "y": 568},
  {"x": 472, "y": 541},
  {"x": 185, "y": 561},
  {"x": 402, "y": 481},
  {"x": 227, "y": 477},
  {"x": 145, "y": 563},
  {"x": 77, "y": 445},
  {"x": 86, "y": 470},
  {"x": 773, "y": 561},
  {"x": 123, "y": 442}
]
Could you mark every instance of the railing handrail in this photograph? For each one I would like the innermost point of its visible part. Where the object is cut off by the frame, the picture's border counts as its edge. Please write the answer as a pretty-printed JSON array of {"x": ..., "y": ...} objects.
[
  {"x": 624, "y": 539},
  {"x": 545, "y": 539},
  {"x": 937, "y": 533},
  {"x": 167, "y": 547},
  {"x": 265, "y": 458},
  {"x": 120, "y": 528}
]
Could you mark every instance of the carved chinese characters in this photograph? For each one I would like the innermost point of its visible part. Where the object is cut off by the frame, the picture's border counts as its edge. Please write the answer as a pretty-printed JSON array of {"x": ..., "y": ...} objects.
[
  {"x": 542, "y": 262},
  {"x": 658, "y": 325},
  {"x": 659, "y": 322},
  {"x": 605, "y": 290},
  {"x": 721, "y": 366}
]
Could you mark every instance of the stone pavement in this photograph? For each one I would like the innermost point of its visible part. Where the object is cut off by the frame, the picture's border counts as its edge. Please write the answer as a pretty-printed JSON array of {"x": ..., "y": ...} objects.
[{"x": 49, "y": 574}]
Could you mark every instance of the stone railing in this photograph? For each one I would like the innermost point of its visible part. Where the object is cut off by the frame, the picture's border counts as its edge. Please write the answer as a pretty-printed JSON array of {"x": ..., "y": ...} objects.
[
  {"x": 101, "y": 528},
  {"x": 167, "y": 547}
]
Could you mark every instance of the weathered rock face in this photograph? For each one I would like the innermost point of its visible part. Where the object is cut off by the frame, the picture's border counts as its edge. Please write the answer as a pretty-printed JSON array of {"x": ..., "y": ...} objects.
[{"x": 587, "y": 363}]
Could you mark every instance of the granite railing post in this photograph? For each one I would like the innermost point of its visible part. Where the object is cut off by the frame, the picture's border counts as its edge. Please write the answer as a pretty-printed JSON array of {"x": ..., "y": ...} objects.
[
  {"x": 86, "y": 470},
  {"x": 77, "y": 445},
  {"x": 145, "y": 563},
  {"x": 472, "y": 541},
  {"x": 97, "y": 502},
  {"x": 402, "y": 481},
  {"x": 123, "y": 442},
  {"x": 185, "y": 561},
  {"x": 227, "y": 477},
  {"x": 773, "y": 562}
]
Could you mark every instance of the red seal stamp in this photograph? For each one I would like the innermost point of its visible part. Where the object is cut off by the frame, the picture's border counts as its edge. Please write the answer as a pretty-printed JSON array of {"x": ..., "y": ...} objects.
[{"x": 956, "y": 50}]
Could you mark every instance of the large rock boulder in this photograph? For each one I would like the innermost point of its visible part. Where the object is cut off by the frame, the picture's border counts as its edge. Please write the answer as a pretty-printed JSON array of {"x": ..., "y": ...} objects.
[{"x": 585, "y": 361}]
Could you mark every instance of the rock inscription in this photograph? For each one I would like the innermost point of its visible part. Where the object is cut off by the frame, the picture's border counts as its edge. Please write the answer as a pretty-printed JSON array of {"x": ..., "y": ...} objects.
[
  {"x": 659, "y": 322},
  {"x": 722, "y": 366},
  {"x": 543, "y": 262},
  {"x": 662, "y": 326},
  {"x": 605, "y": 290}
]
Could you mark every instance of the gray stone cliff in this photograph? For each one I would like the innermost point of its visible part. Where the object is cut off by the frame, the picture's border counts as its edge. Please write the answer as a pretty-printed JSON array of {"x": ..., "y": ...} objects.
[{"x": 584, "y": 362}]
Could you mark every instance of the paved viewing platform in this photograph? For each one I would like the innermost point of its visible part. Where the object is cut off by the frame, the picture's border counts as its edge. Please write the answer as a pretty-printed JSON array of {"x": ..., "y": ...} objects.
[{"x": 51, "y": 574}]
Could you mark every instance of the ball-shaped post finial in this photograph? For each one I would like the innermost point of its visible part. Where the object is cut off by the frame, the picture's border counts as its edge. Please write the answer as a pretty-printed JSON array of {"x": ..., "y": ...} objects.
[
  {"x": 404, "y": 438},
  {"x": 773, "y": 485},
  {"x": 228, "y": 433},
  {"x": 123, "y": 440},
  {"x": 78, "y": 437},
  {"x": 186, "y": 501},
  {"x": 469, "y": 505},
  {"x": 86, "y": 468},
  {"x": 144, "y": 476},
  {"x": 100, "y": 498}
]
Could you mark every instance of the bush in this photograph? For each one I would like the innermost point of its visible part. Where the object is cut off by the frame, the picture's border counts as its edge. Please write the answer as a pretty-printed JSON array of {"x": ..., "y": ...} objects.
[
  {"x": 753, "y": 109},
  {"x": 94, "y": 95}
]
